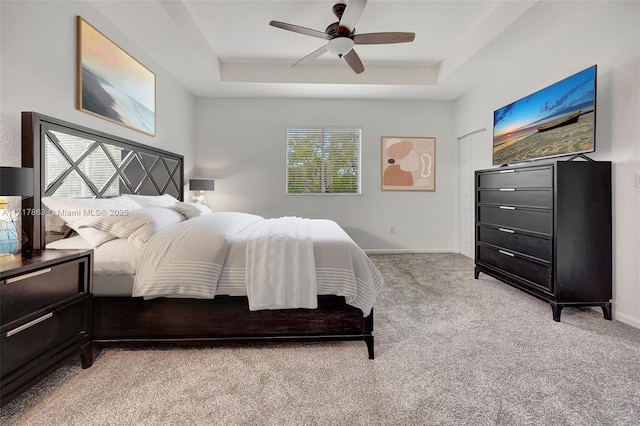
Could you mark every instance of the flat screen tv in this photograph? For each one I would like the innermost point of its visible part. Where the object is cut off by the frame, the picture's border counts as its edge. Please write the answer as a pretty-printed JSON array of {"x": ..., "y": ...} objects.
[{"x": 555, "y": 121}]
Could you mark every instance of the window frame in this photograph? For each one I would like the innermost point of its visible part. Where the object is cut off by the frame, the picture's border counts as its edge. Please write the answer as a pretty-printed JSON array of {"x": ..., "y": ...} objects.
[{"x": 323, "y": 129}]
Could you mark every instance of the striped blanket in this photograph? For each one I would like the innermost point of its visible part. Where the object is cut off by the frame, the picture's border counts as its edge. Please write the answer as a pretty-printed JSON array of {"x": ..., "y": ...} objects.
[{"x": 205, "y": 256}]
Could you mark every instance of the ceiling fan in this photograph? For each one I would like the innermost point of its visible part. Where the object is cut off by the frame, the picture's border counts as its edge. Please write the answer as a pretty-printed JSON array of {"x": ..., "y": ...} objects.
[{"x": 341, "y": 35}]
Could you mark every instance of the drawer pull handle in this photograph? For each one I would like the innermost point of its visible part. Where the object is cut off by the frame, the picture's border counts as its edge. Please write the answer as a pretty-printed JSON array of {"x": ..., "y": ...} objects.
[
  {"x": 25, "y": 276},
  {"x": 507, "y": 171},
  {"x": 507, "y": 207},
  {"x": 510, "y": 231},
  {"x": 506, "y": 253},
  {"x": 29, "y": 324},
  {"x": 507, "y": 189}
]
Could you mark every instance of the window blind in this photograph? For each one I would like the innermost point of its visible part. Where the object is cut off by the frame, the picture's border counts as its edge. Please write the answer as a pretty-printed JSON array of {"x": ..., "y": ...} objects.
[{"x": 323, "y": 161}]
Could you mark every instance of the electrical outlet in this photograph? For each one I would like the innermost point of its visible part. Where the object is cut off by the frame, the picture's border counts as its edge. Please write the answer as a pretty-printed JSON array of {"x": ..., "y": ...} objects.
[{"x": 637, "y": 179}]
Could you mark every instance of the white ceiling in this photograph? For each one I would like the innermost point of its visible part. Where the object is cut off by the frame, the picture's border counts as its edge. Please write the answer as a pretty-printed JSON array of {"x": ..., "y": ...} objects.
[{"x": 227, "y": 48}]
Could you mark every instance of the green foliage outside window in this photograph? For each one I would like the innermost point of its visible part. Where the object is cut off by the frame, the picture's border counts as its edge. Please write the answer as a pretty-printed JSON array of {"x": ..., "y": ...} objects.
[{"x": 323, "y": 161}]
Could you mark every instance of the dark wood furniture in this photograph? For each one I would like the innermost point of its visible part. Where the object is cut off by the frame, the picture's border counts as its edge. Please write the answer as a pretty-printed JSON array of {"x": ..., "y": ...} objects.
[
  {"x": 546, "y": 229},
  {"x": 122, "y": 320},
  {"x": 140, "y": 169},
  {"x": 46, "y": 315}
]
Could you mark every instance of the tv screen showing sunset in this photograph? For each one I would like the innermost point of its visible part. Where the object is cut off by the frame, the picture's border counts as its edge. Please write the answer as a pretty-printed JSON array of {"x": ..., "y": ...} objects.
[{"x": 557, "y": 120}]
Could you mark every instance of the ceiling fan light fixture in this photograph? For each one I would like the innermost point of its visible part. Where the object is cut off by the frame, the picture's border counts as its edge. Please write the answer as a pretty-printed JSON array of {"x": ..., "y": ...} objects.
[
  {"x": 342, "y": 35},
  {"x": 340, "y": 46}
]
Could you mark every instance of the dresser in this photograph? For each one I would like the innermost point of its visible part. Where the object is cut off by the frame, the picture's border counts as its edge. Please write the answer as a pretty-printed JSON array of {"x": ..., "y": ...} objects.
[
  {"x": 45, "y": 311},
  {"x": 547, "y": 230}
]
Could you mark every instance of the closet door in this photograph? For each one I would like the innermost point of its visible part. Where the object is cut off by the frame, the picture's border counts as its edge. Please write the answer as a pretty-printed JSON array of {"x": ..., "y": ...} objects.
[{"x": 475, "y": 154}]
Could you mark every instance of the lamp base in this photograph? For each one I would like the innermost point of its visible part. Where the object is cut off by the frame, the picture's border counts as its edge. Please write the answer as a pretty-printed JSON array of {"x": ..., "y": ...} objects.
[
  {"x": 199, "y": 199},
  {"x": 9, "y": 241}
]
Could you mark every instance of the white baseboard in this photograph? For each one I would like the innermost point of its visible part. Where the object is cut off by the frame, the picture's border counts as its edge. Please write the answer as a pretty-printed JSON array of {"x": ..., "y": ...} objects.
[
  {"x": 401, "y": 251},
  {"x": 627, "y": 319}
]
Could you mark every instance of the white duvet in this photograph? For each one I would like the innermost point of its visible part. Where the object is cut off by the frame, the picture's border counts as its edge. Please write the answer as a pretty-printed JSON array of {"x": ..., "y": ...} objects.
[{"x": 205, "y": 256}]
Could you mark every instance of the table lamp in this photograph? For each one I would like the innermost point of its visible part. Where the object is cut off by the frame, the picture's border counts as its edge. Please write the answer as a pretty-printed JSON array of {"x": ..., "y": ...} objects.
[
  {"x": 14, "y": 181},
  {"x": 201, "y": 185}
]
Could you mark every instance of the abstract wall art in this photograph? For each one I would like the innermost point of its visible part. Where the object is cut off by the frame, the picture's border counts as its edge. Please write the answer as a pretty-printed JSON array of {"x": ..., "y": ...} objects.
[
  {"x": 112, "y": 84},
  {"x": 408, "y": 163}
]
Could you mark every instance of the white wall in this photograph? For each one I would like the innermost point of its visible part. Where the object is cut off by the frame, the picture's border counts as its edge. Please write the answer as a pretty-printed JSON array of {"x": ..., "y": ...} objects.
[
  {"x": 241, "y": 144},
  {"x": 38, "y": 73},
  {"x": 606, "y": 34}
]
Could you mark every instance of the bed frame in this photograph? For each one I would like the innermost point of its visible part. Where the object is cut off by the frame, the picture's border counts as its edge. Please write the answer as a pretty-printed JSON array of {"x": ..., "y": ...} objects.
[{"x": 128, "y": 167}]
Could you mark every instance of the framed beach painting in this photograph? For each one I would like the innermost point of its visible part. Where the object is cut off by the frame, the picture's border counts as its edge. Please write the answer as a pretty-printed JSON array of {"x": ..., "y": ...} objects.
[
  {"x": 408, "y": 163},
  {"x": 112, "y": 84}
]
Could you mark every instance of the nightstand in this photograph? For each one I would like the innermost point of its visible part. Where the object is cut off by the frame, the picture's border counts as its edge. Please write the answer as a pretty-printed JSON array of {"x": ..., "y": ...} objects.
[{"x": 45, "y": 312}]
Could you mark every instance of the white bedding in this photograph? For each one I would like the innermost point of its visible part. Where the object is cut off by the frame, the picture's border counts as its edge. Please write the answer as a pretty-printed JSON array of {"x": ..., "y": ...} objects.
[
  {"x": 186, "y": 259},
  {"x": 206, "y": 256},
  {"x": 115, "y": 257},
  {"x": 281, "y": 270}
]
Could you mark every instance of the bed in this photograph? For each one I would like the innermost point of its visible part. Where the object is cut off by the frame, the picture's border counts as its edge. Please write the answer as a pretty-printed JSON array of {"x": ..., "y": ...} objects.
[{"x": 80, "y": 163}]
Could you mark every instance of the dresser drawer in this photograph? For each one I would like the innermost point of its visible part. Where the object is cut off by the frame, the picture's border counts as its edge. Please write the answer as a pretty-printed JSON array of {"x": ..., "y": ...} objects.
[
  {"x": 24, "y": 294},
  {"x": 534, "y": 272},
  {"x": 513, "y": 241},
  {"x": 510, "y": 217},
  {"x": 55, "y": 330},
  {"x": 517, "y": 178},
  {"x": 517, "y": 197}
]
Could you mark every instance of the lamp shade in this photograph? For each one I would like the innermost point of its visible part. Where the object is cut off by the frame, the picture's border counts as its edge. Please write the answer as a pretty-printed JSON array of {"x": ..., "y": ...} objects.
[
  {"x": 201, "y": 184},
  {"x": 16, "y": 181}
]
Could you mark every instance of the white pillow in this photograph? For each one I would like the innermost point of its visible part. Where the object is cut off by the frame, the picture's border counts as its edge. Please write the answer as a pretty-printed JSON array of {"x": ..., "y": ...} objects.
[
  {"x": 165, "y": 200},
  {"x": 138, "y": 226},
  {"x": 118, "y": 226},
  {"x": 191, "y": 210},
  {"x": 75, "y": 242},
  {"x": 53, "y": 223},
  {"x": 159, "y": 218},
  {"x": 77, "y": 211}
]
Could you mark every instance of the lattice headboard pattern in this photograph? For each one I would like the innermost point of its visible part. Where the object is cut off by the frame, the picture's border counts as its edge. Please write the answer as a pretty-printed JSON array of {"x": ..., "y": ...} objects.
[{"x": 78, "y": 162}]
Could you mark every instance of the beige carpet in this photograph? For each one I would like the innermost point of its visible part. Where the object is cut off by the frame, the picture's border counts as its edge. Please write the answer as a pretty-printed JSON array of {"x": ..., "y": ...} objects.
[{"x": 449, "y": 350}]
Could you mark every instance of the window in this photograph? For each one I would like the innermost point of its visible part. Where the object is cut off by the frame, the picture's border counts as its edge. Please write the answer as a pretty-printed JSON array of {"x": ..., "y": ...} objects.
[{"x": 323, "y": 161}]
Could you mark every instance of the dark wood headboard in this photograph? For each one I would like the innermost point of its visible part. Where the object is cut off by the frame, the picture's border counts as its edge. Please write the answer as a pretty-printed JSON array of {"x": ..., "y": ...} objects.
[{"x": 69, "y": 160}]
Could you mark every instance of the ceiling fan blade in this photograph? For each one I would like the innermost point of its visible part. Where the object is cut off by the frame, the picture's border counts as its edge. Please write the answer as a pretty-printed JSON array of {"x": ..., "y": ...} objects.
[
  {"x": 351, "y": 15},
  {"x": 300, "y": 30},
  {"x": 383, "y": 38},
  {"x": 311, "y": 56},
  {"x": 354, "y": 61}
]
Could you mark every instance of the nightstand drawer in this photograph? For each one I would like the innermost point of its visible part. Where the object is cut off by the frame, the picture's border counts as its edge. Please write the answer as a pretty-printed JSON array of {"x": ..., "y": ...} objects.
[
  {"x": 53, "y": 331},
  {"x": 27, "y": 293}
]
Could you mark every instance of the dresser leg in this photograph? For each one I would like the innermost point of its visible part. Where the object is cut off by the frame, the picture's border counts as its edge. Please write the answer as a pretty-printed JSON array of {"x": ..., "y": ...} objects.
[
  {"x": 606, "y": 310},
  {"x": 86, "y": 356},
  {"x": 369, "y": 341},
  {"x": 476, "y": 273},
  {"x": 556, "y": 309}
]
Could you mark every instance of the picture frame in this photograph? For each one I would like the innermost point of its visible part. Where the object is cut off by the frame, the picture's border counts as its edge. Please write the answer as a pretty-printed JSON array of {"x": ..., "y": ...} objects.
[
  {"x": 408, "y": 163},
  {"x": 112, "y": 84}
]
